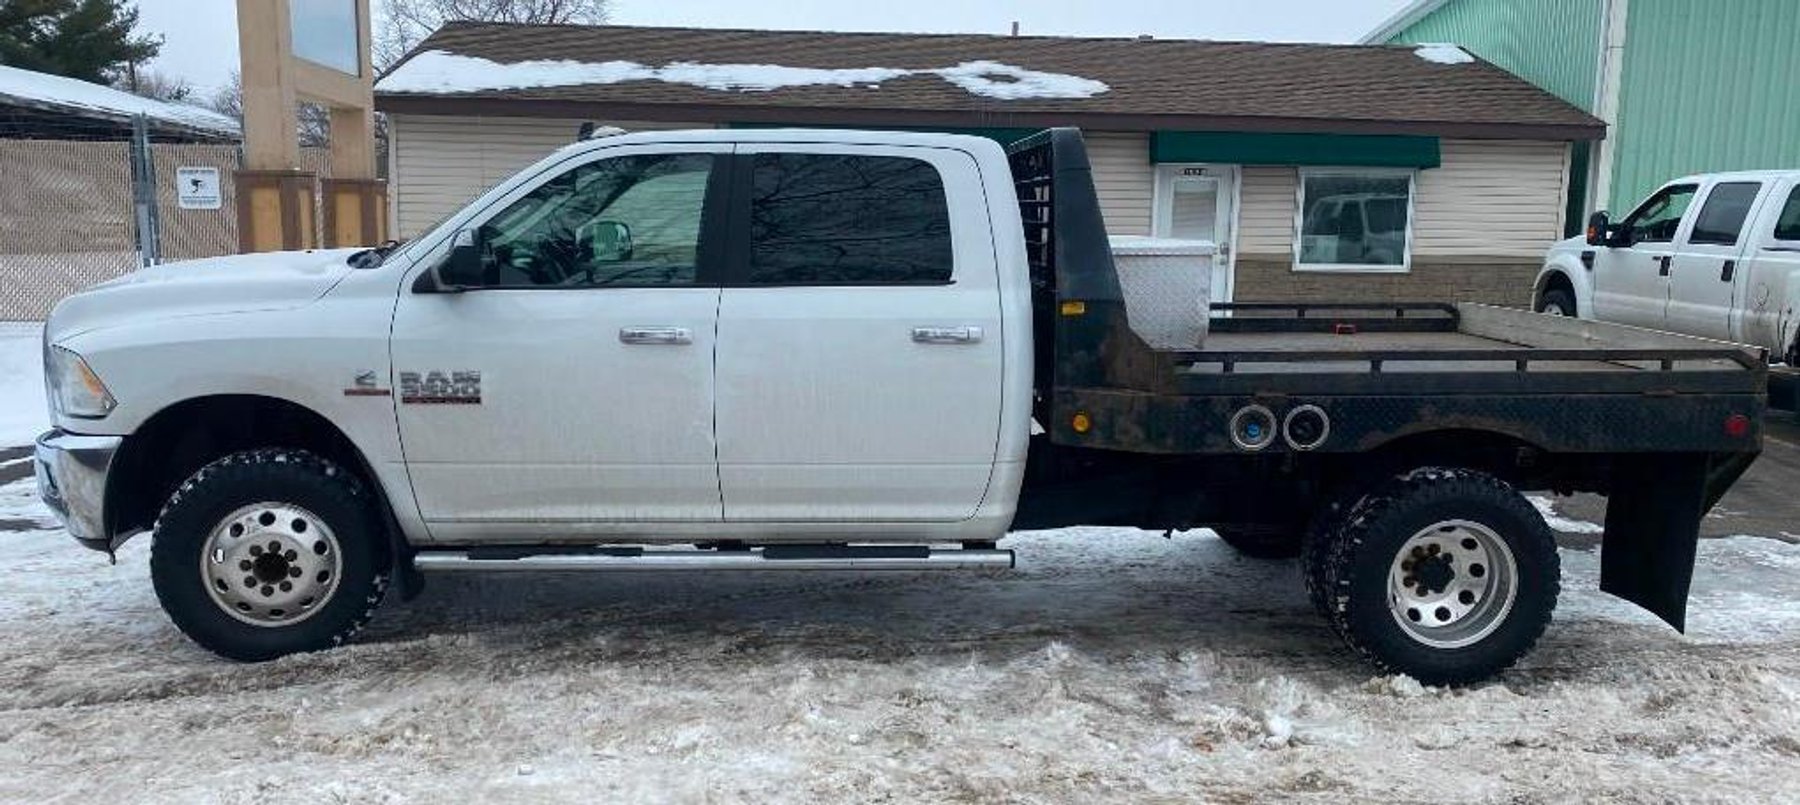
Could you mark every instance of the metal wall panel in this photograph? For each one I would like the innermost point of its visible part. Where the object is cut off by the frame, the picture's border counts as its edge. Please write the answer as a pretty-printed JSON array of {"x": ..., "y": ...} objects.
[
  {"x": 1706, "y": 87},
  {"x": 1554, "y": 44}
]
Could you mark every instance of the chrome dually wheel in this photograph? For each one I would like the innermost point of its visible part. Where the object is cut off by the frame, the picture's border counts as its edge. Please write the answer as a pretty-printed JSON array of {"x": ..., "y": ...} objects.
[
  {"x": 1452, "y": 583},
  {"x": 271, "y": 564}
]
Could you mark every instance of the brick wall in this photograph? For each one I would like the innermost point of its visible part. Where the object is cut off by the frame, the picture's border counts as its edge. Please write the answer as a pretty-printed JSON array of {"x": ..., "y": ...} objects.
[{"x": 1497, "y": 281}]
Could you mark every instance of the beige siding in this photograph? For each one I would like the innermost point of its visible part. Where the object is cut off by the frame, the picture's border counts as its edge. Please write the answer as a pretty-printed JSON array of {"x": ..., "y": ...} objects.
[
  {"x": 1491, "y": 198},
  {"x": 1266, "y": 211},
  {"x": 441, "y": 162},
  {"x": 1123, "y": 178}
]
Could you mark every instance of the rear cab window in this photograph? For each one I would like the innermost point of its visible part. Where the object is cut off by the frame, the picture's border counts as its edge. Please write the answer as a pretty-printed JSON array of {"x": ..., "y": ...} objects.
[
  {"x": 847, "y": 219},
  {"x": 1722, "y": 217},
  {"x": 1787, "y": 226}
]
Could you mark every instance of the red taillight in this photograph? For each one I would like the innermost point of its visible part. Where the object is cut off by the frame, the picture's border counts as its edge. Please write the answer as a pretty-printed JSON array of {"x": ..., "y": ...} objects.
[{"x": 1737, "y": 426}]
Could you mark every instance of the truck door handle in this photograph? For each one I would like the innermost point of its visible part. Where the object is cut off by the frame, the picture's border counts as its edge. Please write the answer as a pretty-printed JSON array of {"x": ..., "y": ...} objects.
[
  {"x": 1729, "y": 269},
  {"x": 1664, "y": 261},
  {"x": 655, "y": 335},
  {"x": 946, "y": 335}
]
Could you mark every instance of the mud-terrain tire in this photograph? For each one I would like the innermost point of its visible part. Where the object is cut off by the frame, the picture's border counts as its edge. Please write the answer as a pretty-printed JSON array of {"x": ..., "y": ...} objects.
[
  {"x": 1314, "y": 544},
  {"x": 269, "y": 552},
  {"x": 1556, "y": 302},
  {"x": 1447, "y": 575},
  {"x": 1261, "y": 543}
]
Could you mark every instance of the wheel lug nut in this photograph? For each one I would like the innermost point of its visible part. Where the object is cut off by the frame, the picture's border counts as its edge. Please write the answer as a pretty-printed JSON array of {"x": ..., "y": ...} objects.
[
  {"x": 245, "y": 565},
  {"x": 290, "y": 555},
  {"x": 286, "y": 587},
  {"x": 294, "y": 572}
]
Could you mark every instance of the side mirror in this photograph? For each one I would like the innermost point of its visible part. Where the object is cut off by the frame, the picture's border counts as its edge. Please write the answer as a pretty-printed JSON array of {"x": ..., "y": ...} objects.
[
  {"x": 458, "y": 271},
  {"x": 1599, "y": 229},
  {"x": 608, "y": 241}
]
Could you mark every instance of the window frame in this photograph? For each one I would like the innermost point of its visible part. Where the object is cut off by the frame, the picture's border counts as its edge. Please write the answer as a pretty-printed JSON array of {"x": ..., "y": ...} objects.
[
  {"x": 1743, "y": 227},
  {"x": 737, "y": 267},
  {"x": 1788, "y": 198},
  {"x": 1682, "y": 224},
  {"x": 710, "y": 252},
  {"x": 1299, "y": 231}
]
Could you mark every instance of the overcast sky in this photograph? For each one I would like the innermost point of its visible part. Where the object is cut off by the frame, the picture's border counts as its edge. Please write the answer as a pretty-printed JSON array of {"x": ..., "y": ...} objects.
[{"x": 201, "y": 35}]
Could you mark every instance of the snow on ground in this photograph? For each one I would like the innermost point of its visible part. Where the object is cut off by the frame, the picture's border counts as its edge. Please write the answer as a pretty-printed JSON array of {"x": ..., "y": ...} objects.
[
  {"x": 1113, "y": 665},
  {"x": 55, "y": 89},
  {"x": 23, "y": 411},
  {"x": 437, "y": 71}
]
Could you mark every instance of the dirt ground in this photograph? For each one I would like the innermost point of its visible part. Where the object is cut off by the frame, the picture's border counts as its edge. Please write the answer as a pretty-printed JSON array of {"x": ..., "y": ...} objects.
[{"x": 1113, "y": 665}]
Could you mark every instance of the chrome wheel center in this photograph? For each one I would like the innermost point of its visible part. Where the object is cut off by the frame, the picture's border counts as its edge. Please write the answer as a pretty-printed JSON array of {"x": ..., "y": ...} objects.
[
  {"x": 1452, "y": 584},
  {"x": 271, "y": 564}
]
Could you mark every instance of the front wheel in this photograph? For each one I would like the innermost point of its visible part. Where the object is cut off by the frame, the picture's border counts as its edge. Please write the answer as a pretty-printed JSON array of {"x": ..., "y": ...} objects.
[
  {"x": 1556, "y": 302},
  {"x": 269, "y": 552},
  {"x": 1447, "y": 575}
]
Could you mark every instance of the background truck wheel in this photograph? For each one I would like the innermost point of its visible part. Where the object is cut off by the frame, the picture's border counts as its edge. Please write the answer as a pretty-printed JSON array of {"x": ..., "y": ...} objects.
[
  {"x": 1261, "y": 543},
  {"x": 269, "y": 552},
  {"x": 1447, "y": 575},
  {"x": 1556, "y": 302}
]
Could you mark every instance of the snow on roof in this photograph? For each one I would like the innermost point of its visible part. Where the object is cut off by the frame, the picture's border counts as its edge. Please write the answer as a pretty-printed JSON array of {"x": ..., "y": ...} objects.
[
  {"x": 68, "y": 93},
  {"x": 1442, "y": 53},
  {"x": 437, "y": 71}
]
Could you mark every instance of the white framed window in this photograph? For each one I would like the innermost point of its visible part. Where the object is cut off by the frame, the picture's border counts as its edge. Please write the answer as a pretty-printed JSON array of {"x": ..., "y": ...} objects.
[{"x": 1354, "y": 219}]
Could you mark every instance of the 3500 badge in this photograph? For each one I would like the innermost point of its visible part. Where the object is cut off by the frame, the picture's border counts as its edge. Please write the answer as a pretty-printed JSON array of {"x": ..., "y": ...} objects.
[{"x": 458, "y": 387}]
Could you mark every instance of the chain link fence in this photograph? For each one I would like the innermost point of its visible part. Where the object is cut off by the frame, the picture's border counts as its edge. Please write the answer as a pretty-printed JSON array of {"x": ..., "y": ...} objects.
[{"x": 76, "y": 212}]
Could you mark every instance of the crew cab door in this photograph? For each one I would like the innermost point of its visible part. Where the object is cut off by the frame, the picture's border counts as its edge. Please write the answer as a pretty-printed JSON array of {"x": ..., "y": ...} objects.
[
  {"x": 1705, "y": 276},
  {"x": 1631, "y": 277},
  {"x": 574, "y": 384},
  {"x": 859, "y": 367}
]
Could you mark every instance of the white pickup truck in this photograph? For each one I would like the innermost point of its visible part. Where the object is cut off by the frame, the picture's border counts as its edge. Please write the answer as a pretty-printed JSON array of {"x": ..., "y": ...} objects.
[
  {"x": 1712, "y": 255},
  {"x": 806, "y": 350}
]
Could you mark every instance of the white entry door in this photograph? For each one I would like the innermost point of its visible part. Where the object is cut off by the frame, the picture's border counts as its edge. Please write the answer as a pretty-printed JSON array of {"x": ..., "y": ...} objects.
[{"x": 1199, "y": 202}]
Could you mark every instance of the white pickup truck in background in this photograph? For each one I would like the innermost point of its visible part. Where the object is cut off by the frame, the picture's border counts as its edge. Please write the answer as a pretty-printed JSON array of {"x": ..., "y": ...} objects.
[{"x": 1712, "y": 255}]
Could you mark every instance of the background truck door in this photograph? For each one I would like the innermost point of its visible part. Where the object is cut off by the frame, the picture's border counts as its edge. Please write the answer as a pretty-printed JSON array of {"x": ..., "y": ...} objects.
[
  {"x": 575, "y": 385},
  {"x": 1707, "y": 271},
  {"x": 859, "y": 367},
  {"x": 1631, "y": 280}
]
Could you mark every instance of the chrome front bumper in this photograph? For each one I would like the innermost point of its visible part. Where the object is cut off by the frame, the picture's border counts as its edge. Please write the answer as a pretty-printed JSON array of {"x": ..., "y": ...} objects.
[{"x": 71, "y": 477}]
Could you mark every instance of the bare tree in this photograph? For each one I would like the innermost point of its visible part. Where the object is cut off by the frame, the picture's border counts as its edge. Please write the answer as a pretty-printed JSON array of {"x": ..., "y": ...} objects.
[
  {"x": 313, "y": 123},
  {"x": 152, "y": 84},
  {"x": 402, "y": 24}
]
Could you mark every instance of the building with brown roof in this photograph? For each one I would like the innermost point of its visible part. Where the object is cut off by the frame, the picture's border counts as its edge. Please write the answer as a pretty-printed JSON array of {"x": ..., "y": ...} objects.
[{"x": 1324, "y": 172}]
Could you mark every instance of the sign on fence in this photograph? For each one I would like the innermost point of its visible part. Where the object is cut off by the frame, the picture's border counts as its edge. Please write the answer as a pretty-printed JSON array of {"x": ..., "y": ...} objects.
[{"x": 197, "y": 188}]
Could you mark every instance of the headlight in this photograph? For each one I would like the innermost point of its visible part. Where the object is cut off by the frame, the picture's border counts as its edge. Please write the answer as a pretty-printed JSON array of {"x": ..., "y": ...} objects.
[{"x": 74, "y": 388}]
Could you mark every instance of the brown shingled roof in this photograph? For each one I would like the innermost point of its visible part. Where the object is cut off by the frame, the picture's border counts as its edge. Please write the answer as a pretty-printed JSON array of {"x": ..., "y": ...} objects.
[{"x": 1155, "y": 83}]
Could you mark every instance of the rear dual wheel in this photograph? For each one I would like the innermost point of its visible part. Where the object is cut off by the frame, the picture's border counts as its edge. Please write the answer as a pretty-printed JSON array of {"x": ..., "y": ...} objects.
[{"x": 1447, "y": 575}]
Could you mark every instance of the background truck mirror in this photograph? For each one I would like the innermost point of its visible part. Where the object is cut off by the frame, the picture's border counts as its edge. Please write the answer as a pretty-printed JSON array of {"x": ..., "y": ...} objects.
[
  {"x": 1599, "y": 229},
  {"x": 462, "y": 268}
]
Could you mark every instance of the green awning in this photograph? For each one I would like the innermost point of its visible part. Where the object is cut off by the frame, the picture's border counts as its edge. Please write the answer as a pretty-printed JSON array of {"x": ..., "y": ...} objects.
[{"x": 1252, "y": 148}]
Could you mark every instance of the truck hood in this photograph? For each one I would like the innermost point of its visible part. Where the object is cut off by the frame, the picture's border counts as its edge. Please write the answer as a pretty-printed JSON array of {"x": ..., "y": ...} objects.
[
  {"x": 239, "y": 283},
  {"x": 1574, "y": 244}
]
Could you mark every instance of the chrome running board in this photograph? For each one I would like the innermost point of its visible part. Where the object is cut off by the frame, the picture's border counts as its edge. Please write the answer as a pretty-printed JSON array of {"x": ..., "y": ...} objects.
[{"x": 779, "y": 557}]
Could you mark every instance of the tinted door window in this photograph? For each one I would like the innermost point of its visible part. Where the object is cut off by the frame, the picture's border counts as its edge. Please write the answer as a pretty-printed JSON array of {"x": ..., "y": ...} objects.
[
  {"x": 1658, "y": 218},
  {"x": 1722, "y": 216},
  {"x": 631, "y": 220},
  {"x": 832, "y": 219},
  {"x": 1788, "y": 226}
]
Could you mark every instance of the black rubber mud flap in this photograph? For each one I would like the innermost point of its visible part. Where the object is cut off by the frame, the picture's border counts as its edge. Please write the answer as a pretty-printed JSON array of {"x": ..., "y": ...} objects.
[{"x": 1652, "y": 530}]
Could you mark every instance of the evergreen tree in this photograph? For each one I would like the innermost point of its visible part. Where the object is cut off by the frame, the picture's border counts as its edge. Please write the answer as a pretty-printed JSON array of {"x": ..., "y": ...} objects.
[{"x": 87, "y": 39}]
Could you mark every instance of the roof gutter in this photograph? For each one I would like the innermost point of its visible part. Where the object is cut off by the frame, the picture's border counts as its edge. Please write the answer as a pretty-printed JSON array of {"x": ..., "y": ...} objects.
[
  {"x": 724, "y": 114},
  {"x": 1402, "y": 19}
]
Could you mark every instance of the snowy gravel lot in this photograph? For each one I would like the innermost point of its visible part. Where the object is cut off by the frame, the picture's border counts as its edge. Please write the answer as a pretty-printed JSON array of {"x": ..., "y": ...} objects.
[{"x": 1113, "y": 665}]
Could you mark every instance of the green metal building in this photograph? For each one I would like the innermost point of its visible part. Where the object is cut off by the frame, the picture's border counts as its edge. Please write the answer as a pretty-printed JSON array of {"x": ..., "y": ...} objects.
[{"x": 1684, "y": 86}]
